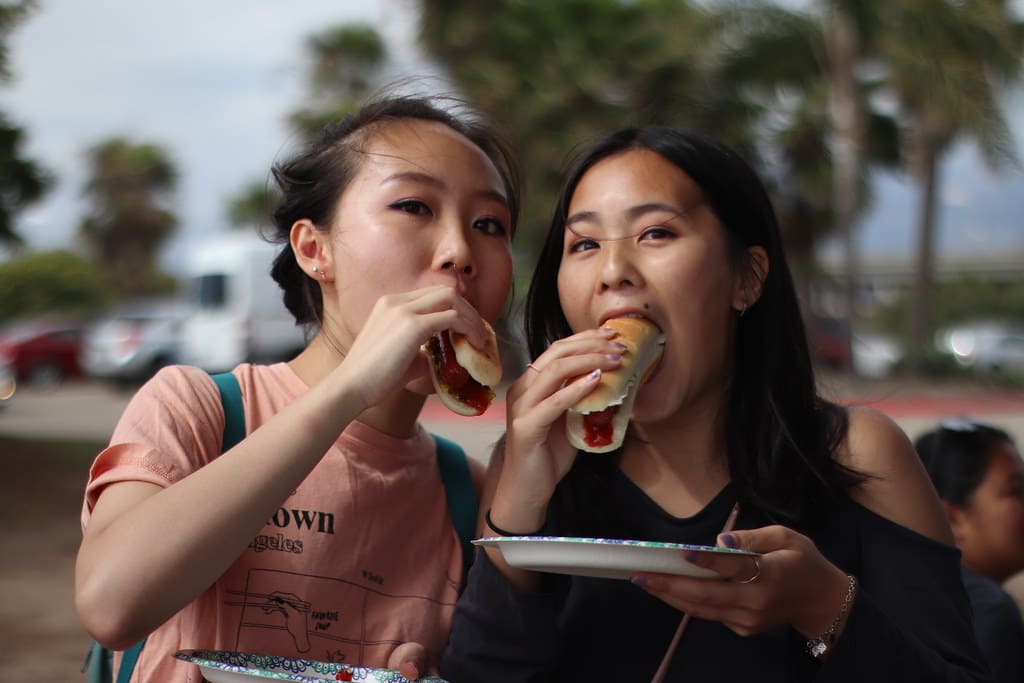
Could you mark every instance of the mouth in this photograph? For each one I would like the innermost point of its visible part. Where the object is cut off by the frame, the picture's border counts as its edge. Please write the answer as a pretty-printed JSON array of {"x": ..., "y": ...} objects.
[{"x": 626, "y": 313}]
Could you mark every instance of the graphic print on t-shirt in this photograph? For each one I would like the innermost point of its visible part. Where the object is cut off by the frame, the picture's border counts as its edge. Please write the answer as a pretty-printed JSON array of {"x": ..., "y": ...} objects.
[{"x": 339, "y": 628}]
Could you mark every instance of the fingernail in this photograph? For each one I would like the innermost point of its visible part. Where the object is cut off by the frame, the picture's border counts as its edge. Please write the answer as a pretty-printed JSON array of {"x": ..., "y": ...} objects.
[
  {"x": 619, "y": 345},
  {"x": 613, "y": 356},
  {"x": 594, "y": 374},
  {"x": 728, "y": 540},
  {"x": 640, "y": 581},
  {"x": 608, "y": 330}
]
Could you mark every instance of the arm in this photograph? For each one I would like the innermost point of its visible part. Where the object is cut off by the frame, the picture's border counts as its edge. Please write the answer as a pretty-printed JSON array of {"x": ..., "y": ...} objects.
[
  {"x": 909, "y": 620},
  {"x": 184, "y": 535}
]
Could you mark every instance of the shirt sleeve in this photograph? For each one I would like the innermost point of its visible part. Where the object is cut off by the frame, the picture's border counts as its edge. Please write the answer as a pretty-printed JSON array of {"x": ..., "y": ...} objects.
[
  {"x": 912, "y": 619},
  {"x": 171, "y": 427},
  {"x": 500, "y": 634}
]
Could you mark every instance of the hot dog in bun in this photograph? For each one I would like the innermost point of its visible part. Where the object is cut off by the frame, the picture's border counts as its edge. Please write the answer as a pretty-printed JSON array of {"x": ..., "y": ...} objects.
[
  {"x": 463, "y": 374},
  {"x": 598, "y": 422}
]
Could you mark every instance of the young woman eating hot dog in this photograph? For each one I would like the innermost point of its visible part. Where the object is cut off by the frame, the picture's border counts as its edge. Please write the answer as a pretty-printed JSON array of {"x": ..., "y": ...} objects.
[
  {"x": 395, "y": 227},
  {"x": 854, "y": 576}
]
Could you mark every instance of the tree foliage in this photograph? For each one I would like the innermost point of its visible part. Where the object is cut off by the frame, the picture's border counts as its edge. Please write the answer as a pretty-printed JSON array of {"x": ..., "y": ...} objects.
[
  {"x": 253, "y": 205},
  {"x": 129, "y": 189},
  {"x": 50, "y": 282},
  {"x": 345, "y": 66},
  {"x": 558, "y": 74},
  {"x": 22, "y": 180}
]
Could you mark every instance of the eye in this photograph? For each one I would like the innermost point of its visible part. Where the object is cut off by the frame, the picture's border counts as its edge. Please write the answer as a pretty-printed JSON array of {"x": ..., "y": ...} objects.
[
  {"x": 582, "y": 244},
  {"x": 411, "y": 206},
  {"x": 657, "y": 232},
  {"x": 490, "y": 226}
]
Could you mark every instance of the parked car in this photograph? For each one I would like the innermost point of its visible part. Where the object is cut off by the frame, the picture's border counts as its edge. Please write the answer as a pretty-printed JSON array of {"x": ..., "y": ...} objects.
[
  {"x": 133, "y": 342},
  {"x": 871, "y": 354},
  {"x": 43, "y": 351},
  {"x": 8, "y": 383},
  {"x": 987, "y": 346}
]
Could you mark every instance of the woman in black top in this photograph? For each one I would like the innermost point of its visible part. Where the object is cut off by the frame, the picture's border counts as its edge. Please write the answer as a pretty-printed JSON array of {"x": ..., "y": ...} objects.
[{"x": 856, "y": 563}]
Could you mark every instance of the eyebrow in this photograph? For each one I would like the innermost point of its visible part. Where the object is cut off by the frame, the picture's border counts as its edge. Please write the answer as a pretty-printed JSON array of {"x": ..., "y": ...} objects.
[
  {"x": 632, "y": 213},
  {"x": 437, "y": 183}
]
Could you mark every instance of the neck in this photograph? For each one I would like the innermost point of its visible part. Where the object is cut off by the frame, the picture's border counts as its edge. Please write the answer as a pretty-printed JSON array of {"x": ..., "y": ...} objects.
[
  {"x": 680, "y": 464},
  {"x": 395, "y": 416}
]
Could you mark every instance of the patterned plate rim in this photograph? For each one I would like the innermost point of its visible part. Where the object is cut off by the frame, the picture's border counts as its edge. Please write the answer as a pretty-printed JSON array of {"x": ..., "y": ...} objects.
[{"x": 615, "y": 541}]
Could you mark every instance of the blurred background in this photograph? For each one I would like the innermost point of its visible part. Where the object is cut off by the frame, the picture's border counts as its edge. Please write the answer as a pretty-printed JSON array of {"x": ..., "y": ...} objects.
[{"x": 136, "y": 140}]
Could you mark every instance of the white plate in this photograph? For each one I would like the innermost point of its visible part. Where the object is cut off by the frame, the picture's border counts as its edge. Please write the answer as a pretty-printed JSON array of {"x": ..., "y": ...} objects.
[
  {"x": 602, "y": 557},
  {"x": 220, "y": 666}
]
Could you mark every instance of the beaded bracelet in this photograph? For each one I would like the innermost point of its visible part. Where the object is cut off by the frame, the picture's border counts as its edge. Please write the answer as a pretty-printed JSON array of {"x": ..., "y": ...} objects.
[
  {"x": 502, "y": 532},
  {"x": 820, "y": 646}
]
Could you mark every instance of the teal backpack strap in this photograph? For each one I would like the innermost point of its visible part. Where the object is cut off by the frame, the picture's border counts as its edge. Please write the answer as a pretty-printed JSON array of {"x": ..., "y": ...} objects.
[
  {"x": 99, "y": 660},
  {"x": 234, "y": 413},
  {"x": 458, "y": 487},
  {"x": 128, "y": 661}
]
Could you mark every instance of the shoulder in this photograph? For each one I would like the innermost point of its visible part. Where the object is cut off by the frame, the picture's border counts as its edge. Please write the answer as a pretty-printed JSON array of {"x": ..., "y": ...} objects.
[{"x": 897, "y": 486}]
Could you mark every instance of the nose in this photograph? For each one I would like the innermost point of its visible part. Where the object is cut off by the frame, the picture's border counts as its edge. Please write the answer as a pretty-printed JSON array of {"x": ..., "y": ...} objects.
[
  {"x": 617, "y": 268},
  {"x": 454, "y": 252}
]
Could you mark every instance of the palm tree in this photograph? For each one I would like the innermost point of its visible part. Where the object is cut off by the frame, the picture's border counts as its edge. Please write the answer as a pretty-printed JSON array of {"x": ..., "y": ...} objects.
[
  {"x": 556, "y": 75},
  {"x": 22, "y": 181},
  {"x": 129, "y": 189},
  {"x": 346, "y": 66},
  {"x": 948, "y": 63}
]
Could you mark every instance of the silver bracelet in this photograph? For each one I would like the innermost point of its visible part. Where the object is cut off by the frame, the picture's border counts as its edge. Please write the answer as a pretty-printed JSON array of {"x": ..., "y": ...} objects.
[{"x": 820, "y": 646}]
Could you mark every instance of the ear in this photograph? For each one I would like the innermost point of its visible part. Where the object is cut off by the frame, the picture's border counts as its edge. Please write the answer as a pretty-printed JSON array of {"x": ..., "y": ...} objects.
[
  {"x": 312, "y": 249},
  {"x": 958, "y": 520},
  {"x": 750, "y": 280}
]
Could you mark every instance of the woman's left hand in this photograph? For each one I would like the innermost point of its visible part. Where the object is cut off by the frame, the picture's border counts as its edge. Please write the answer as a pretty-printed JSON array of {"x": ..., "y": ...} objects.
[{"x": 791, "y": 582}]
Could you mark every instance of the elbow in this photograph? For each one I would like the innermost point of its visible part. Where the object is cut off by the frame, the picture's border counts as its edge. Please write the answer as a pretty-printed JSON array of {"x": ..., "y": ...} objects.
[{"x": 105, "y": 617}]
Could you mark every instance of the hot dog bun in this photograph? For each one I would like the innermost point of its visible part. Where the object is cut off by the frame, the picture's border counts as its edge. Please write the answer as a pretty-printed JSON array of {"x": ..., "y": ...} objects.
[
  {"x": 617, "y": 388},
  {"x": 467, "y": 391}
]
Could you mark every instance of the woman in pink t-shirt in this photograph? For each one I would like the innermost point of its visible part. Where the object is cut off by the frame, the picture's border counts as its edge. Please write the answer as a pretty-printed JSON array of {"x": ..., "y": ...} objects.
[{"x": 324, "y": 533}]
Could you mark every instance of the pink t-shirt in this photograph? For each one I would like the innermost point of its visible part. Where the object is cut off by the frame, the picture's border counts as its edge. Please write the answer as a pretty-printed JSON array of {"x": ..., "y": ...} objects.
[{"x": 360, "y": 558}]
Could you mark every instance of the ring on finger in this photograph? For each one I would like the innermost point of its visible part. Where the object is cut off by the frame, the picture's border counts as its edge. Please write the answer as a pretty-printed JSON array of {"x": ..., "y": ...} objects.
[
  {"x": 533, "y": 367},
  {"x": 757, "y": 573}
]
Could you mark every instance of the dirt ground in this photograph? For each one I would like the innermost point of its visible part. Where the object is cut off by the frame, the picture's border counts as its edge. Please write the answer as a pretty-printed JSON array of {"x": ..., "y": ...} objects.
[{"x": 40, "y": 497}]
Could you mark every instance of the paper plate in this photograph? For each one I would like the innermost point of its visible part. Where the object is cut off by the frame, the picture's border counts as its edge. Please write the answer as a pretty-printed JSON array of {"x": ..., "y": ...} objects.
[
  {"x": 221, "y": 666},
  {"x": 603, "y": 557}
]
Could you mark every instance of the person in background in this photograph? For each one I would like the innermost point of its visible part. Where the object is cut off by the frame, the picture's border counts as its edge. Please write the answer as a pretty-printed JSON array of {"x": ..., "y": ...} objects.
[
  {"x": 395, "y": 225},
  {"x": 979, "y": 476},
  {"x": 857, "y": 578}
]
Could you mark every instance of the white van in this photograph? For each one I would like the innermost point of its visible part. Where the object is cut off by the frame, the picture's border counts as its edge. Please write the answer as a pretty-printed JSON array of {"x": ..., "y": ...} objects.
[{"x": 239, "y": 312}]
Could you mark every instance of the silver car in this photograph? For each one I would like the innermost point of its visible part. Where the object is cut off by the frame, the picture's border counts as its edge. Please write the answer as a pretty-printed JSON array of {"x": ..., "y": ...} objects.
[{"x": 135, "y": 341}]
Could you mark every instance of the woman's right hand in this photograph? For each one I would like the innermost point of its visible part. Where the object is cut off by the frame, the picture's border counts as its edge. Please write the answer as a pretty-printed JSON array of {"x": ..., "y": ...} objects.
[
  {"x": 385, "y": 355},
  {"x": 537, "y": 452}
]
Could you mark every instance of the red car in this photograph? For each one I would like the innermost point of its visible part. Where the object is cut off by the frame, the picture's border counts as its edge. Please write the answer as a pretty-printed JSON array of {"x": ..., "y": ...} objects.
[{"x": 43, "y": 352}]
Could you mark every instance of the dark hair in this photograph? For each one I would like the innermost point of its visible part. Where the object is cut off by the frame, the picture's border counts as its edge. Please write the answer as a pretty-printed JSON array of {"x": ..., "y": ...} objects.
[
  {"x": 312, "y": 182},
  {"x": 957, "y": 455},
  {"x": 781, "y": 435}
]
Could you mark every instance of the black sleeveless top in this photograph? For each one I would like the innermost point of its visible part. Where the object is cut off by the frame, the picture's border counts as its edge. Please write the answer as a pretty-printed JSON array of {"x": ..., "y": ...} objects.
[{"x": 911, "y": 620}]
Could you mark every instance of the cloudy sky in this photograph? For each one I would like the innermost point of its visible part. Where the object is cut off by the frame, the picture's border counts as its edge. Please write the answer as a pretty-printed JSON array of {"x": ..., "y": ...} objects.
[{"x": 212, "y": 82}]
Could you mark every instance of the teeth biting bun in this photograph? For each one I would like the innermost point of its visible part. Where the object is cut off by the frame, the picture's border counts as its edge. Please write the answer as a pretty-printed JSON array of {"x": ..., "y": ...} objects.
[
  {"x": 464, "y": 375},
  {"x": 597, "y": 423}
]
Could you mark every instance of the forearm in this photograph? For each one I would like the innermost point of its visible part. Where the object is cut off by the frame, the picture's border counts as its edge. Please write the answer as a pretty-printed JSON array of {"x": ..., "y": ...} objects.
[{"x": 146, "y": 555}]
